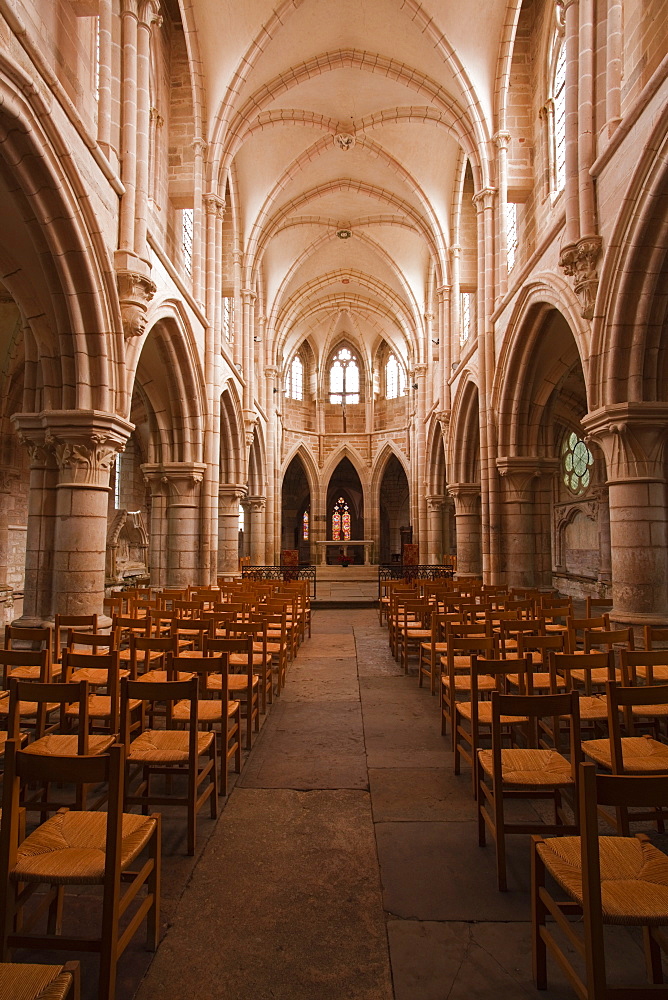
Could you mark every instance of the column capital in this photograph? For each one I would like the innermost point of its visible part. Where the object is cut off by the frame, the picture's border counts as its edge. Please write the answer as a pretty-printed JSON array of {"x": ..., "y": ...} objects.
[
  {"x": 502, "y": 139},
  {"x": 579, "y": 262},
  {"x": 257, "y": 504},
  {"x": 420, "y": 370},
  {"x": 466, "y": 497},
  {"x": 180, "y": 480},
  {"x": 632, "y": 436},
  {"x": 84, "y": 442},
  {"x": 230, "y": 496},
  {"x": 213, "y": 203},
  {"x": 435, "y": 503},
  {"x": 248, "y": 295},
  {"x": 520, "y": 472},
  {"x": 484, "y": 198}
]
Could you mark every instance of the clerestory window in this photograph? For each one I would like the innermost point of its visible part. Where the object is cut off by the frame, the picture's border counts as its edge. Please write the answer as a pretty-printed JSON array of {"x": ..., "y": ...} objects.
[{"x": 344, "y": 378}]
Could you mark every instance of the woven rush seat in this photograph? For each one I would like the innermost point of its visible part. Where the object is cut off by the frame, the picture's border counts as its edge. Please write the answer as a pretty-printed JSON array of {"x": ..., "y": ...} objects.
[
  {"x": 598, "y": 675},
  {"x": 210, "y": 710},
  {"x": 167, "y": 746},
  {"x": 162, "y": 675},
  {"x": 236, "y": 682},
  {"x": 33, "y": 982},
  {"x": 593, "y": 706},
  {"x": 634, "y": 876},
  {"x": 460, "y": 662},
  {"x": 94, "y": 676},
  {"x": 659, "y": 673},
  {"x": 529, "y": 767},
  {"x": 26, "y": 708},
  {"x": 33, "y": 673},
  {"x": 463, "y": 682},
  {"x": 642, "y": 711},
  {"x": 64, "y": 745},
  {"x": 640, "y": 754},
  {"x": 99, "y": 707},
  {"x": 541, "y": 679},
  {"x": 241, "y": 660},
  {"x": 70, "y": 848},
  {"x": 485, "y": 713}
]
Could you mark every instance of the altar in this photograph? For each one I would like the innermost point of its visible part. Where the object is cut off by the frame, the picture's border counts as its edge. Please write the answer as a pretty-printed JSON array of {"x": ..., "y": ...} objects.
[{"x": 346, "y": 547}]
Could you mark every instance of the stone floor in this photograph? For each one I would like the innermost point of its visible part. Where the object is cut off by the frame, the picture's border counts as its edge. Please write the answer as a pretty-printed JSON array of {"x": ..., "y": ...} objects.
[{"x": 345, "y": 862}]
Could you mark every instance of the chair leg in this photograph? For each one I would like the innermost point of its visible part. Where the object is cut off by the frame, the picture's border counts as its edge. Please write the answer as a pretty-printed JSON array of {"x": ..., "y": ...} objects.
[
  {"x": 500, "y": 841},
  {"x": 153, "y": 887},
  {"x": 538, "y": 915},
  {"x": 652, "y": 957}
]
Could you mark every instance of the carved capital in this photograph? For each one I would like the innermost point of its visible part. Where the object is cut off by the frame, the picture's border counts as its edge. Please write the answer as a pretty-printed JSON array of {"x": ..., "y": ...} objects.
[
  {"x": 520, "y": 473},
  {"x": 9, "y": 479},
  {"x": 632, "y": 436},
  {"x": 271, "y": 371},
  {"x": 578, "y": 261},
  {"x": 420, "y": 370},
  {"x": 84, "y": 443},
  {"x": 502, "y": 139},
  {"x": 257, "y": 504},
  {"x": 229, "y": 498},
  {"x": 484, "y": 198},
  {"x": 182, "y": 481},
  {"x": 135, "y": 291},
  {"x": 466, "y": 497},
  {"x": 435, "y": 504}
]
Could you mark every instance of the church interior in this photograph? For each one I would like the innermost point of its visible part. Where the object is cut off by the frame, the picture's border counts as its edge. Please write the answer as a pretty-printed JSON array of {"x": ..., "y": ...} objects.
[{"x": 334, "y": 356}]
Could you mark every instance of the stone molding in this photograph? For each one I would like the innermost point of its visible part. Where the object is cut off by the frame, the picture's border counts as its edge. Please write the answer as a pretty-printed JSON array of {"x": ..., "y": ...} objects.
[
  {"x": 229, "y": 497},
  {"x": 435, "y": 503},
  {"x": 178, "y": 481},
  {"x": 632, "y": 436}
]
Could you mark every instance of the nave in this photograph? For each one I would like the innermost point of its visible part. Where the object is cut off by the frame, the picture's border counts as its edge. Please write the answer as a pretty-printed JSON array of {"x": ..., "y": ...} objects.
[{"x": 345, "y": 862}]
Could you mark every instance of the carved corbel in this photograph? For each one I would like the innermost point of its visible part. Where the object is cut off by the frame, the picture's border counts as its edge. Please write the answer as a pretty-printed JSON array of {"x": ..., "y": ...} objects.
[
  {"x": 579, "y": 261},
  {"x": 135, "y": 291}
]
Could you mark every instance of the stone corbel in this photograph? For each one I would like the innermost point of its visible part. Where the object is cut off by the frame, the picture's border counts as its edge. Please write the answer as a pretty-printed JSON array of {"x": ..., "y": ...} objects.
[
  {"x": 579, "y": 261},
  {"x": 135, "y": 291},
  {"x": 250, "y": 420}
]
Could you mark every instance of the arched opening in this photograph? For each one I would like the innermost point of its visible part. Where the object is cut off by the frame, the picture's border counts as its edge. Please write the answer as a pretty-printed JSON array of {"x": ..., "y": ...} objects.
[
  {"x": 295, "y": 502},
  {"x": 345, "y": 513},
  {"x": 394, "y": 510}
]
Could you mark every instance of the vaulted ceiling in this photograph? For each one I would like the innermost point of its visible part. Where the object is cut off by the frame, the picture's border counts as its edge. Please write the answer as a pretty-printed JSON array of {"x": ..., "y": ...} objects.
[{"x": 344, "y": 129}]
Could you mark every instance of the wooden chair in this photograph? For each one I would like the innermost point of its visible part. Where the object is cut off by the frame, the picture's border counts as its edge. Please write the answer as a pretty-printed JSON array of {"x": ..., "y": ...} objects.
[
  {"x": 101, "y": 671},
  {"x": 242, "y": 679},
  {"x": 216, "y": 709},
  {"x": 605, "y": 880},
  {"x": 474, "y": 716},
  {"x": 431, "y": 652},
  {"x": 77, "y": 848},
  {"x": 656, "y": 637},
  {"x": 649, "y": 665},
  {"x": 597, "y": 605},
  {"x": 170, "y": 751},
  {"x": 578, "y": 625},
  {"x": 40, "y": 982},
  {"x": 526, "y": 772},
  {"x": 30, "y": 639},
  {"x": 575, "y": 672},
  {"x": 277, "y": 645},
  {"x": 18, "y": 664},
  {"x": 457, "y": 678},
  {"x": 629, "y": 754}
]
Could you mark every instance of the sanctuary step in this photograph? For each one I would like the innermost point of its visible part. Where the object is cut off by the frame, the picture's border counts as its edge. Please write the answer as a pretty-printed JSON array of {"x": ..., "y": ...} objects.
[{"x": 346, "y": 586}]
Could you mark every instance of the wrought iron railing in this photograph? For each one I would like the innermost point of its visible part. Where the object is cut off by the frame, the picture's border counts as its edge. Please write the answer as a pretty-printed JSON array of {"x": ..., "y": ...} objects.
[
  {"x": 284, "y": 573},
  {"x": 396, "y": 571}
]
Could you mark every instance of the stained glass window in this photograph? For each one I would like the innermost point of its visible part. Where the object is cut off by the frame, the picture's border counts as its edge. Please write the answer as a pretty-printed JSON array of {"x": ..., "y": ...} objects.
[
  {"x": 512, "y": 243},
  {"x": 559, "y": 99},
  {"x": 394, "y": 378},
  {"x": 294, "y": 380},
  {"x": 341, "y": 521},
  {"x": 187, "y": 239},
  {"x": 576, "y": 460},
  {"x": 305, "y": 526},
  {"x": 344, "y": 378}
]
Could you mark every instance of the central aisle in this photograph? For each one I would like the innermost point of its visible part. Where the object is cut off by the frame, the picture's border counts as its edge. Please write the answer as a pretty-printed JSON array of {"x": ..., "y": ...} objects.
[{"x": 345, "y": 863}]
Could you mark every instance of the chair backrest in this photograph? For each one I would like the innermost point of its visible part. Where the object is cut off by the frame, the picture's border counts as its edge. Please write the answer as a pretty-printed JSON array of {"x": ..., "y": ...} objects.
[
  {"x": 80, "y": 622},
  {"x": 108, "y": 662},
  {"x": 647, "y": 658},
  {"x": 608, "y": 638},
  {"x": 214, "y": 662},
  {"x": 625, "y": 699},
  {"x": 512, "y": 628},
  {"x": 43, "y": 695},
  {"x": 543, "y": 644},
  {"x": 242, "y": 646},
  {"x": 17, "y": 637},
  {"x": 594, "y": 605},
  {"x": 467, "y": 646},
  {"x": 142, "y": 646},
  {"x": 500, "y": 670},
  {"x": 78, "y": 642},
  {"x": 655, "y": 634},
  {"x": 168, "y": 692},
  {"x": 11, "y": 658},
  {"x": 192, "y": 628},
  {"x": 561, "y": 665},
  {"x": 576, "y": 625},
  {"x": 537, "y": 707}
]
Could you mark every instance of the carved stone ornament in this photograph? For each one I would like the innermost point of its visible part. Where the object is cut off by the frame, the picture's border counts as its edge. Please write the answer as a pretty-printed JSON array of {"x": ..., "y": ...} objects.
[
  {"x": 85, "y": 462},
  {"x": 466, "y": 497},
  {"x": 579, "y": 262},
  {"x": 435, "y": 503},
  {"x": 135, "y": 291},
  {"x": 633, "y": 438},
  {"x": 344, "y": 141},
  {"x": 257, "y": 504}
]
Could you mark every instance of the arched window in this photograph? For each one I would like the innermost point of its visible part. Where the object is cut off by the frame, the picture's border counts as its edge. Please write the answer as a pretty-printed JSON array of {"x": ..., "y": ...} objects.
[
  {"x": 395, "y": 379},
  {"x": 294, "y": 379},
  {"x": 559, "y": 117},
  {"x": 305, "y": 519},
  {"x": 341, "y": 521},
  {"x": 576, "y": 463},
  {"x": 344, "y": 378}
]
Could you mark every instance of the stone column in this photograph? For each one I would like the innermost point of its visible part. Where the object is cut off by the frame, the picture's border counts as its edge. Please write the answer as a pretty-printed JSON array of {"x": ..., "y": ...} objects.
[
  {"x": 183, "y": 483},
  {"x": 467, "y": 518},
  {"x": 272, "y": 516},
  {"x": 85, "y": 444},
  {"x": 632, "y": 437},
  {"x": 257, "y": 506},
  {"x": 605, "y": 569},
  {"x": 519, "y": 477},
  {"x": 228, "y": 529},
  {"x": 420, "y": 479},
  {"x": 435, "y": 505},
  {"x": 157, "y": 549}
]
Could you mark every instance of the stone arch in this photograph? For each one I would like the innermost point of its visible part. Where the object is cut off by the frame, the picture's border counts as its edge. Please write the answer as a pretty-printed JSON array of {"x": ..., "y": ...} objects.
[
  {"x": 463, "y": 458},
  {"x": 629, "y": 347},
  {"x": 232, "y": 454},
  {"x": 545, "y": 340},
  {"x": 79, "y": 351}
]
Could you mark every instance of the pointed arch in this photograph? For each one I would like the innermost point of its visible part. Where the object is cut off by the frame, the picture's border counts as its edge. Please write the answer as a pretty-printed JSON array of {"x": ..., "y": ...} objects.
[
  {"x": 463, "y": 459},
  {"x": 232, "y": 440}
]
